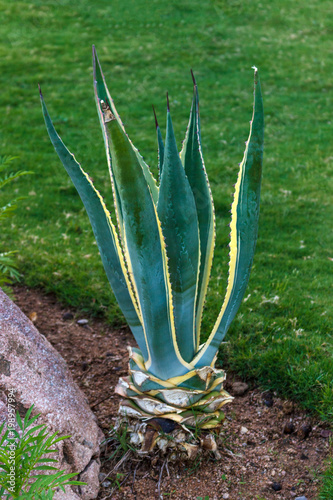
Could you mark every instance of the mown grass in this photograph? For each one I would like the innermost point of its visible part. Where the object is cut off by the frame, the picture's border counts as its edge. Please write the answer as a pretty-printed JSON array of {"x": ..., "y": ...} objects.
[
  {"x": 326, "y": 492},
  {"x": 282, "y": 336}
]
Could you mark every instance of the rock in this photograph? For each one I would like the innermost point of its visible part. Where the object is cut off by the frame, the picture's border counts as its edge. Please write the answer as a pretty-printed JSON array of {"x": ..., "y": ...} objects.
[
  {"x": 244, "y": 430},
  {"x": 288, "y": 427},
  {"x": 301, "y": 498},
  {"x": 82, "y": 322},
  {"x": 90, "y": 476},
  {"x": 106, "y": 484},
  {"x": 267, "y": 398},
  {"x": 304, "y": 431},
  {"x": 38, "y": 375},
  {"x": 67, "y": 316},
  {"x": 226, "y": 496},
  {"x": 276, "y": 486},
  {"x": 239, "y": 388},
  {"x": 325, "y": 433},
  {"x": 69, "y": 495}
]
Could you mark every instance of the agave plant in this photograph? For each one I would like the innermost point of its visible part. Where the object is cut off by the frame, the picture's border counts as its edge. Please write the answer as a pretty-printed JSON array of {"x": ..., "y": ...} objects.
[{"x": 158, "y": 257}]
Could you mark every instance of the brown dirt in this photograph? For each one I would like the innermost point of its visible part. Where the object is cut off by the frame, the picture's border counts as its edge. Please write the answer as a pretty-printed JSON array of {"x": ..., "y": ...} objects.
[{"x": 256, "y": 452}]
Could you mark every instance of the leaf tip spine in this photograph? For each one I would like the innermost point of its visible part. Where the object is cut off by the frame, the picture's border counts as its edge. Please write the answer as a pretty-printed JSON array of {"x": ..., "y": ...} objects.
[
  {"x": 40, "y": 91},
  {"x": 156, "y": 122},
  {"x": 168, "y": 103},
  {"x": 193, "y": 78}
]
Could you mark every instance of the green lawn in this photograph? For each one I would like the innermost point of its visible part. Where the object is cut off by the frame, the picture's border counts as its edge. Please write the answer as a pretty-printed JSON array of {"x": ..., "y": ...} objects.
[{"x": 282, "y": 336}]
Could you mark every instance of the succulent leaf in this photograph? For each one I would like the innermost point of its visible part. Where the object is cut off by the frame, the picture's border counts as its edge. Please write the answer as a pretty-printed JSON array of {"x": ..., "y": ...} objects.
[
  {"x": 192, "y": 159},
  {"x": 145, "y": 256},
  {"x": 102, "y": 94},
  {"x": 177, "y": 212},
  {"x": 104, "y": 231},
  {"x": 147, "y": 396},
  {"x": 244, "y": 229}
]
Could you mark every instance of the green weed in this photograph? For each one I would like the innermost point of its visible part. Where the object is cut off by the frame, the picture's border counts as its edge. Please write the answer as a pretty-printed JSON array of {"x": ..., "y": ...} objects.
[{"x": 23, "y": 458}]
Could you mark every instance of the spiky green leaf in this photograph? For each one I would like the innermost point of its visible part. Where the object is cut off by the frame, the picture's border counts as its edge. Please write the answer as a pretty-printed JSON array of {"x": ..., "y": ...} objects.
[
  {"x": 192, "y": 159},
  {"x": 145, "y": 255},
  {"x": 103, "y": 96},
  {"x": 244, "y": 229},
  {"x": 177, "y": 212},
  {"x": 104, "y": 231}
]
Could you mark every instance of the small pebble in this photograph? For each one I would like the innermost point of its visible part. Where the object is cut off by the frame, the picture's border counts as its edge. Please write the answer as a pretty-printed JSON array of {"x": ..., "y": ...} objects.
[
  {"x": 301, "y": 498},
  {"x": 276, "y": 486},
  {"x": 226, "y": 496},
  {"x": 67, "y": 316},
  {"x": 239, "y": 388},
  {"x": 101, "y": 476},
  {"x": 325, "y": 433},
  {"x": 244, "y": 430},
  {"x": 267, "y": 396},
  {"x": 106, "y": 484},
  {"x": 82, "y": 322},
  {"x": 267, "y": 399},
  {"x": 304, "y": 431},
  {"x": 288, "y": 428}
]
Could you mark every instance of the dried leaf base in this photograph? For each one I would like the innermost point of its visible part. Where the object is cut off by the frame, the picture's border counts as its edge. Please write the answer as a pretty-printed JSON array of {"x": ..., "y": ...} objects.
[
  {"x": 169, "y": 415},
  {"x": 166, "y": 438}
]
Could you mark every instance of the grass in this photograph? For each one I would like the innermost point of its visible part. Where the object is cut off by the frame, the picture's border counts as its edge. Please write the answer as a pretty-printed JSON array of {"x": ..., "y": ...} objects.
[
  {"x": 282, "y": 336},
  {"x": 326, "y": 492}
]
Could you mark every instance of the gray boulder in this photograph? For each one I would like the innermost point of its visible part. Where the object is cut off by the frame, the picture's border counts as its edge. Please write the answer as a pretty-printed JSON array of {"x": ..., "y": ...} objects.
[{"x": 37, "y": 374}]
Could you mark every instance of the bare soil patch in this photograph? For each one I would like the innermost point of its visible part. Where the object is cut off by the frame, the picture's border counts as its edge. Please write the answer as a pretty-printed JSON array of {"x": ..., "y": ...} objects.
[{"x": 266, "y": 452}]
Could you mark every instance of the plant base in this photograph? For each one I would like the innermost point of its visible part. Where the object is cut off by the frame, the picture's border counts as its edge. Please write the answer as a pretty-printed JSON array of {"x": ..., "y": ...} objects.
[{"x": 165, "y": 438}]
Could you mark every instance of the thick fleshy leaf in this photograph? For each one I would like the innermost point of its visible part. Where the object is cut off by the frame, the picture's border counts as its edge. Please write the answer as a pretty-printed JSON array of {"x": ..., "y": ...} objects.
[
  {"x": 103, "y": 96},
  {"x": 177, "y": 212},
  {"x": 192, "y": 159},
  {"x": 104, "y": 231},
  {"x": 145, "y": 254},
  {"x": 199, "y": 379},
  {"x": 244, "y": 229}
]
